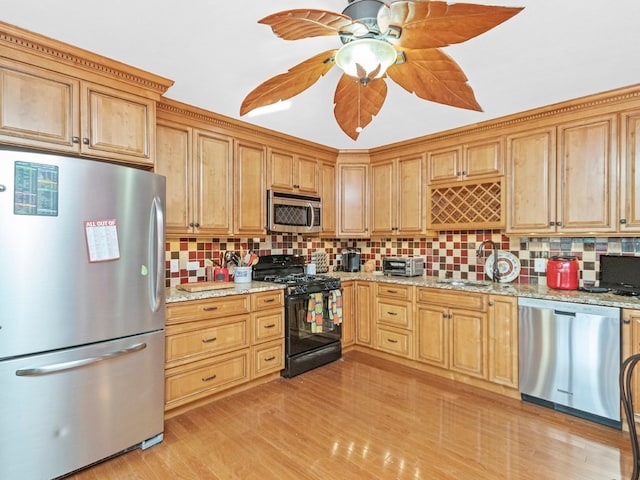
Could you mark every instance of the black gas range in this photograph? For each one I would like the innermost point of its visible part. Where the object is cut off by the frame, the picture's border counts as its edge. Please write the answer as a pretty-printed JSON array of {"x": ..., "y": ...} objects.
[{"x": 313, "y": 312}]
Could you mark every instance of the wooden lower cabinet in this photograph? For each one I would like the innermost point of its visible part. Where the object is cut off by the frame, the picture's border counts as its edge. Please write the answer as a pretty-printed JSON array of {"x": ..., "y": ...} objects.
[
  {"x": 394, "y": 319},
  {"x": 364, "y": 292},
  {"x": 503, "y": 340},
  {"x": 631, "y": 346},
  {"x": 348, "y": 314},
  {"x": 217, "y": 344}
]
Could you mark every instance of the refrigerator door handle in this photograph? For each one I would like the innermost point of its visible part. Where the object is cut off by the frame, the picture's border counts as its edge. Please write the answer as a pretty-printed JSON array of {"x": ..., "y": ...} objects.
[
  {"x": 156, "y": 254},
  {"x": 63, "y": 366}
]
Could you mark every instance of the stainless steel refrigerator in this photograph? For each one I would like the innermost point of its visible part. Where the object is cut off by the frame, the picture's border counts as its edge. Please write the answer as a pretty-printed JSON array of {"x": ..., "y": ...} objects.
[{"x": 81, "y": 312}]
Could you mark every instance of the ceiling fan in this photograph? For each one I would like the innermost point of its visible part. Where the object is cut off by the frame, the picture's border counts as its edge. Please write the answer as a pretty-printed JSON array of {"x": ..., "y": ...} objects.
[{"x": 400, "y": 40}]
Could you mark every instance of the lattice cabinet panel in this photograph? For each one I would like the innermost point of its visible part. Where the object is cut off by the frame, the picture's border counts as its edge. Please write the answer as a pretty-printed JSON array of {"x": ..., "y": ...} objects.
[{"x": 466, "y": 205}]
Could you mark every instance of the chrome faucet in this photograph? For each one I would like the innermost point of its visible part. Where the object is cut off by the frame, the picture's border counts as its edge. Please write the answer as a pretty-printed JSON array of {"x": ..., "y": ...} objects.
[{"x": 496, "y": 271}]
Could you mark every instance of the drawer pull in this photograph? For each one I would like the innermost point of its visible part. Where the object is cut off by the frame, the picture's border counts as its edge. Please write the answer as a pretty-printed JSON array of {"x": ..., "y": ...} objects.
[
  {"x": 209, "y": 378},
  {"x": 209, "y": 309},
  {"x": 270, "y": 359},
  {"x": 269, "y": 300},
  {"x": 391, "y": 340},
  {"x": 393, "y": 314},
  {"x": 271, "y": 325},
  {"x": 209, "y": 340},
  {"x": 392, "y": 291}
]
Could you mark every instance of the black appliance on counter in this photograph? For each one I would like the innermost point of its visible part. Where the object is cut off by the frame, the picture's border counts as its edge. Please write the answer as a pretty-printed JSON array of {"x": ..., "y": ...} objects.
[
  {"x": 308, "y": 344},
  {"x": 351, "y": 260},
  {"x": 621, "y": 274}
]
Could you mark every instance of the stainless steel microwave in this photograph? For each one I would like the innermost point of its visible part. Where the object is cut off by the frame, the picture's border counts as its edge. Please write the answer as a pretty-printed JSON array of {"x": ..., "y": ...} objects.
[{"x": 293, "y": 213}]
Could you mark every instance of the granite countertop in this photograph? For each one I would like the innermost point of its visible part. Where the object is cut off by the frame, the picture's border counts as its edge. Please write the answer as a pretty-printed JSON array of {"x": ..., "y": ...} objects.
[{"x": 511, "y": 289}]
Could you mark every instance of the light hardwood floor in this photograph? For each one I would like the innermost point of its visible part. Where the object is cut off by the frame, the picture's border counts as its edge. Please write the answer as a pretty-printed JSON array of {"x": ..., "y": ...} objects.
[{"x": 365, "y": 418}]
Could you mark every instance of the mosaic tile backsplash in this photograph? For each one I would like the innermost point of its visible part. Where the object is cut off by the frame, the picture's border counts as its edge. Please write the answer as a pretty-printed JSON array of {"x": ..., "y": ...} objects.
[{"x": 452, "y": 254}]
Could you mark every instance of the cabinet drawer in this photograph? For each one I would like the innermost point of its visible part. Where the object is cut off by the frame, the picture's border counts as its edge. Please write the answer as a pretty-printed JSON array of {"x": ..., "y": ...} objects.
[
  {"x": 392, "y": 290},
  {"x": 204, "y": 377},
  {"x": 268, "y": 325},
  {"x": 268, "y": 358},
  {"x": 469, "y": 300},
  {"x": 207, "y": 337},
  {"x": 270, "y": 299},
  {"x": 397, "y": 314},
  {"x": 210, "y": 308},
  {"x": 398, "y": 343}
]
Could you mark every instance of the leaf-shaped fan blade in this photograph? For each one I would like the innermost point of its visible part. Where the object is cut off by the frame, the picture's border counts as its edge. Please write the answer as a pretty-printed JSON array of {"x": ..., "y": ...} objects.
[
  {"x": 357, "y": 104},
  {"x": 290, "y": 84},
  {"x": 298, "y": 24},
  {"x": 434, "y": 76},
  {"x": 437, "y": 24}
]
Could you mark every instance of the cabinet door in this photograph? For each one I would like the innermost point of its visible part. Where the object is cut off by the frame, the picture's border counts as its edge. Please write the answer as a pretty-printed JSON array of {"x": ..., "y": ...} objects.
[
  {"x": 531, "y": 182},
  {"x": 280, "y": 170},
  {"x": 467, "y": 342},
  {"x": 117, "y": 125},
  {"x": 444, "y": 165},
  {"x": 364, "y": 312},
  {"x": 587, "y": 175},
  {"x": 250, "y": 194},
  {"x": 348, "y": 310},
  {"x": 410, "y": 187},
  {"x": 631, "y": 346},
  {"x": 383, "y": 199},
  {"x": 327, "y": 191},
  {"x": 483, "y": 159},
  {"x": 213, "y": 176},
  {"x": 38, "y": 108},
  {"x": 432, "y": 335},
  {"x": 306, "y": 178},
  {"x": 173, "y": 160},
  {"x": 630, "y": 183},
  {"x": 353, "y": 200},
  {"x": 503, "y": 340}
]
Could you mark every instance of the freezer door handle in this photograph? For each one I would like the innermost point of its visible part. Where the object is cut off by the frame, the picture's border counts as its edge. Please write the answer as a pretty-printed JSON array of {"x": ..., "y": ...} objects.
[
  {"x": 63, "y": 366},
  {"x": 156, "y": 254}
]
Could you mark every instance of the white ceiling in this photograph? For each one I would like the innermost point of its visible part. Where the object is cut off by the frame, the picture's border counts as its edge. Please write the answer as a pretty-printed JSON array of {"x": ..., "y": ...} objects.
[{"x": 216, "y": 53}]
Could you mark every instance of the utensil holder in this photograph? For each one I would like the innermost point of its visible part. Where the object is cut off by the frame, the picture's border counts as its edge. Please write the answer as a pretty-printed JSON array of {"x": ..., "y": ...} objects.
[{"x": 242, "y": 275}]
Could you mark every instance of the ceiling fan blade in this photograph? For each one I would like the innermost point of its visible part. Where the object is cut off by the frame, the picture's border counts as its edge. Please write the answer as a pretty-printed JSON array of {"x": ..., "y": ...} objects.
[
  {"x": 433, "y": 75},
  {"x": 437, "y": 24},
  {"x": 305, "y": 23},
  {"x": 290, "y": 84},
  {"x": 356, "y": 104}
]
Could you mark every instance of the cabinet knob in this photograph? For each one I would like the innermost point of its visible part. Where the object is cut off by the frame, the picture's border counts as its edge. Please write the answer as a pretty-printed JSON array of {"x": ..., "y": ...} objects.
[
  {"x": 85, "y": 140},
  {"x": 623, "y": 221},
  {"x": 75, "y": 139},
  {"x": 626, "y": 320},
  {"x": 197, "y": 225},
  {"x": 552, "y": 224},
  {"x": 490, "y": 303},
  {"x": 558, "y": 224}
]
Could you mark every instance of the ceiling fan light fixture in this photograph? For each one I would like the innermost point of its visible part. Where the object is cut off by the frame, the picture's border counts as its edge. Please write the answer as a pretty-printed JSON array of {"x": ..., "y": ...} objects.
[{"x": 368, "y": 53}]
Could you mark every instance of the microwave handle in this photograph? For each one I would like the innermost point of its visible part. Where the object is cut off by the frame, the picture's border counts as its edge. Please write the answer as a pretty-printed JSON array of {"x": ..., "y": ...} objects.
[{"x": 313, "y": 217}]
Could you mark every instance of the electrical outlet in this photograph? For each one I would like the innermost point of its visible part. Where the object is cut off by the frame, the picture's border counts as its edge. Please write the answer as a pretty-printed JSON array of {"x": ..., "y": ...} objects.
[
  {"x": 339, "y": 257},
  {"x": 540, "y": 265},
  {"x": 193, "y": 265},
  {"x": 175, "y": 265}
]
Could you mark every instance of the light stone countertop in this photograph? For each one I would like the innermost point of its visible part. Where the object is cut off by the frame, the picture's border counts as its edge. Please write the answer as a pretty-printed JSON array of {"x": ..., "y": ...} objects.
[{"x": 511, "y": 289}]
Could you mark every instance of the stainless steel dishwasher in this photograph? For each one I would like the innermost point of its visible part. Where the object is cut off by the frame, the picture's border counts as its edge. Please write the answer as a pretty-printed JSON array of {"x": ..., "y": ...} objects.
[{"x": 570, "y": 358}]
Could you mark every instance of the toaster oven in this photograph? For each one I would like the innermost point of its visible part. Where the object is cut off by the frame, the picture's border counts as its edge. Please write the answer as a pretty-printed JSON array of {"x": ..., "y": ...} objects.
[{"x": 403, "y": 266}]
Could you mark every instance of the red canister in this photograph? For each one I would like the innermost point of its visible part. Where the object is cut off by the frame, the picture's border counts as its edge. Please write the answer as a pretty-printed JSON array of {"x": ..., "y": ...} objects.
[
  {"x": 220, "y": 274},
  {"x": 562, "y": 273}
]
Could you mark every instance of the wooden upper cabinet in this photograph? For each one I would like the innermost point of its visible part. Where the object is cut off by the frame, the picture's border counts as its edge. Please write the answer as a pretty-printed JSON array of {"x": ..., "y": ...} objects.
[
  {"x": 629, "y": 213},
  {"x": 531, "y": 181},
  {"x": 198, "y": 167},
  {"x": 353, "y": 200},
  {"x": 587, "y": 176},
  {"x": 397, "y": 196},
  {"x": 477, "y": 159},
  {"x": 563, "y": 179},
  {"x": 117, "y": 125},
  {"x": 327, "y": 191},
  {"x": 38, "y": 108},
  {"x": 250, "y": 165},
  {"x": 291, "y": 172}
]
